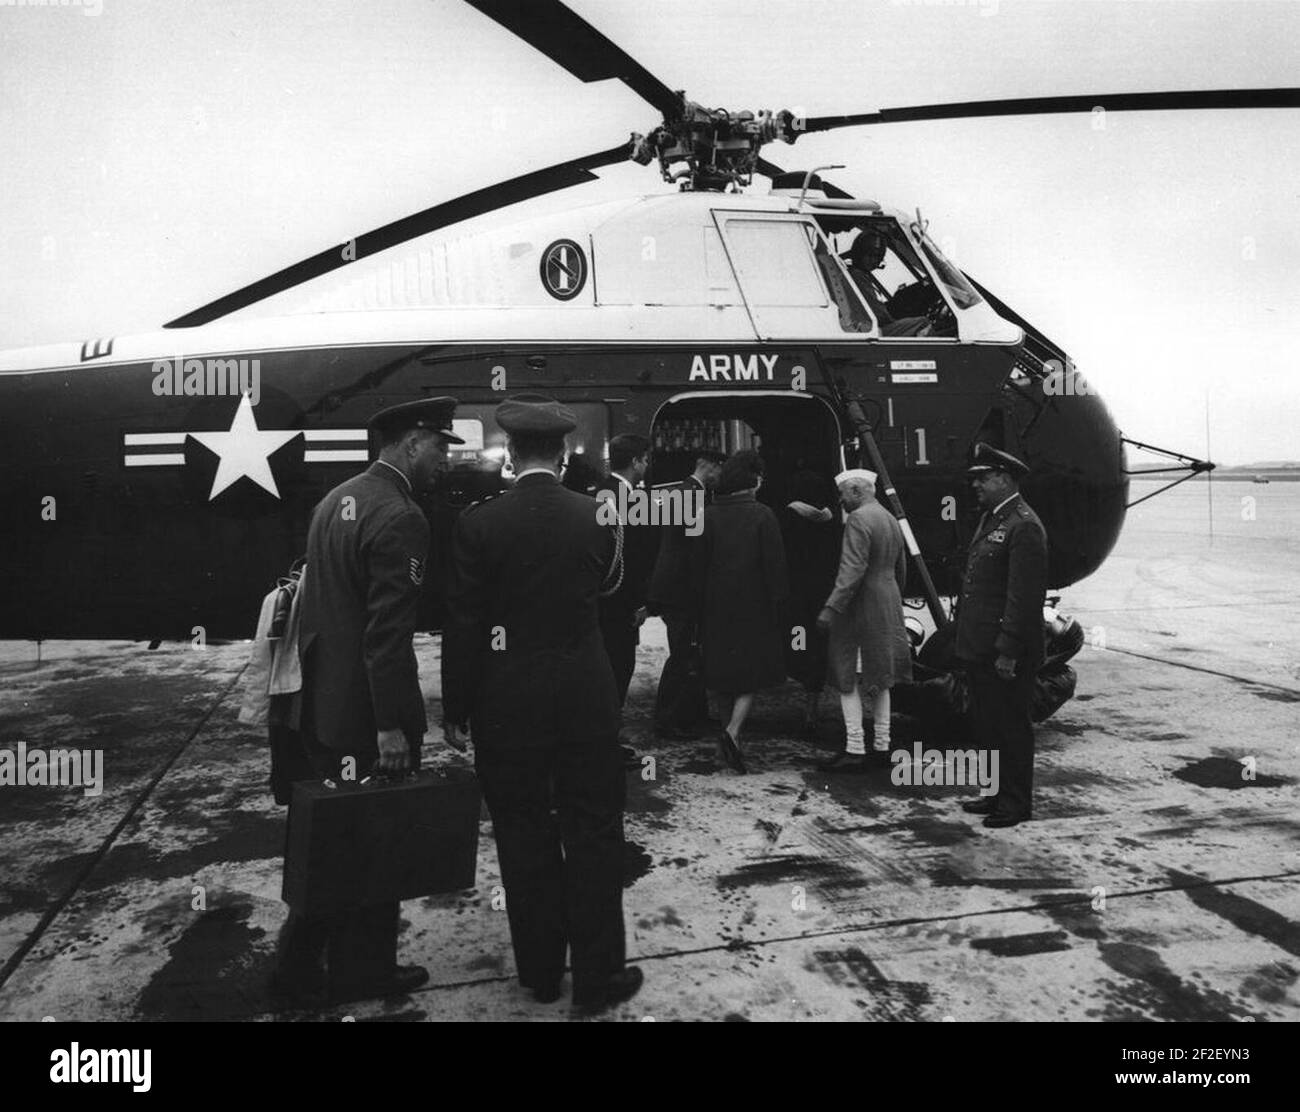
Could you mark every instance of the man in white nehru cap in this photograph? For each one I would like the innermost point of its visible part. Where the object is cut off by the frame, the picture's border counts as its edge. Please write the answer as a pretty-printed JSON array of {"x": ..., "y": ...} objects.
[{"x": 864, "y": 617}]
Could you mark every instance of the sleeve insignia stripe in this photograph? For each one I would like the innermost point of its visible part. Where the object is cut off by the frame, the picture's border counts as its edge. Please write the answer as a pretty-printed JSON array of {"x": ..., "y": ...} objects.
[{"x": 417, "y": 570}]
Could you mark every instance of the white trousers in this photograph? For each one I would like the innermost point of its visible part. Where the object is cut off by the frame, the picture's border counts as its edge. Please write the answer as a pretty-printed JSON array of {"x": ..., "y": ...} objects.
[{"x": 851, "y": 705}]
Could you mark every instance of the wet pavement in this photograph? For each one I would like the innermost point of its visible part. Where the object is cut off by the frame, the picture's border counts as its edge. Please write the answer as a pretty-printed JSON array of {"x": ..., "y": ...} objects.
[{"x": 1160, "y": 878}]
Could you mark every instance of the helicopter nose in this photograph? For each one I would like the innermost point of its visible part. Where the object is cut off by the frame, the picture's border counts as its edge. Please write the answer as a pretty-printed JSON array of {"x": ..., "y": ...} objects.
[{"x": 1078, "y": 483}]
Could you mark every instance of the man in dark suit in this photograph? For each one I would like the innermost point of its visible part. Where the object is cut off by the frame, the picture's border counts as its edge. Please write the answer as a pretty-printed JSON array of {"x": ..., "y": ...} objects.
[
  {"x": 623, "y": 611},
  {"x": 362, "y": 709},
  {"x": 525, "y": 666},
  {"x": 1000, "y": 630},
  {"x": 681, "y": 706}
]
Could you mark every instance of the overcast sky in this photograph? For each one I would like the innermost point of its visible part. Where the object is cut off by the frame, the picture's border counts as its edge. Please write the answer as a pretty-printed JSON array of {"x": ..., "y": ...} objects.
[{"x": 163, "y": 152}]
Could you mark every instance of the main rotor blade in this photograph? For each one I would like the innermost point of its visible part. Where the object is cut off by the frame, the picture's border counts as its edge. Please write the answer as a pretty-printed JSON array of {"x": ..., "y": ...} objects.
[
  {"x": 565, "y": 37},
  {"x": 481, "y": 201},
  {"x": 1034, "y": 106}
]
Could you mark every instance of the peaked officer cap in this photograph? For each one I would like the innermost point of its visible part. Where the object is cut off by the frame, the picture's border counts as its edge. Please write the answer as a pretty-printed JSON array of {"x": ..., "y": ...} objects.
[
  {"x": 986, "y": 458},
  {"x": 535, "y": 414},
  {"x": 427, "y": 413}
]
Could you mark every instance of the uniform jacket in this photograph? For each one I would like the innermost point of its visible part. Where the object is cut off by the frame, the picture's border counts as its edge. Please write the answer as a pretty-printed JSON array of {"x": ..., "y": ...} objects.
[
  {"x": 639, "y": 547},
  {"x": 1005, "y": 585},
  {"x": 670, "y": 582},
  {"x": 366, "y": 548},
  {"x": 522, "y": 643},
  {"x": 867, "y": 601}
]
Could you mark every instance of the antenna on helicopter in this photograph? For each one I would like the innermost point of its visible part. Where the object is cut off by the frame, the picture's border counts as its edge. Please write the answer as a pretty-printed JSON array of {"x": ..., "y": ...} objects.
[{"x": 817, "y": 170}]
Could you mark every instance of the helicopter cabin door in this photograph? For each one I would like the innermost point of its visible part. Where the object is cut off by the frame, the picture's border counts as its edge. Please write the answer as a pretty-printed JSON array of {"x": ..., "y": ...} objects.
[{"x": 793, "y": 288}]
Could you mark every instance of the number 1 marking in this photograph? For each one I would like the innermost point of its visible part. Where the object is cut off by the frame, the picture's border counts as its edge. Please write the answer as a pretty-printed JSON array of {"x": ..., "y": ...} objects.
[{"x": 920, "y": 448}]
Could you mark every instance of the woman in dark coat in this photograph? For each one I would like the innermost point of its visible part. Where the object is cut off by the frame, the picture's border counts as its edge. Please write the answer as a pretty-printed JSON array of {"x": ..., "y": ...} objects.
[{"x": 742, "y": 591}]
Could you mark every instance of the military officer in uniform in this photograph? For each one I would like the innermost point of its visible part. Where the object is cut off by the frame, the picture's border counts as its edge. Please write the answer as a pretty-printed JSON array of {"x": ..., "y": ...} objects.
[
  {"x": 362, "y": 710},
  {"x": 524, "y": 665},
  {"x": 1000, "y": 629}
]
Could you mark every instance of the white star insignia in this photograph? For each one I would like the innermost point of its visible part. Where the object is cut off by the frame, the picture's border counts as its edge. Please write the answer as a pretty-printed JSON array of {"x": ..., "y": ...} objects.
[{"x": 244, "y": 451}]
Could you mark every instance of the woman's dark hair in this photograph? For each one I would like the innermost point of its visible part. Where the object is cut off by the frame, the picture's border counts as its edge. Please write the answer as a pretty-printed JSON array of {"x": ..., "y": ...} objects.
[{"x": 741, "y": 472}]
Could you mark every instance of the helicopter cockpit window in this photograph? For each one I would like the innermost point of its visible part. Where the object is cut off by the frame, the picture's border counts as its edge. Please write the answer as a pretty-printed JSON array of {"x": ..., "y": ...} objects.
[
  {"x": 959, "y": 289},
  {"x": 890, "y": 276}
]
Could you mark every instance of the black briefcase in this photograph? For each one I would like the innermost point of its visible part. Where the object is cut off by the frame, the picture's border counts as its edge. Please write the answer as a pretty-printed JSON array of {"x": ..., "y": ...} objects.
[{"x": 352, "y": 845}]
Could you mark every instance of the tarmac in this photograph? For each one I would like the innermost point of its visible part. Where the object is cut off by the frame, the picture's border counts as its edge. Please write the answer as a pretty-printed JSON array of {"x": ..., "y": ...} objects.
[{"x": 1159, "y": 880}]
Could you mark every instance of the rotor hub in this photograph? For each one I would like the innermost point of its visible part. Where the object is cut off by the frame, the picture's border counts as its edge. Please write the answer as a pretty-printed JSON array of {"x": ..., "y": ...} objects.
[{"x": 712, "y": 149}]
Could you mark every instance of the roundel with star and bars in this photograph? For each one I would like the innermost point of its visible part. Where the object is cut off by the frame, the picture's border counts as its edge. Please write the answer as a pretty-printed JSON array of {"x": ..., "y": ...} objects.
[
  {"x": 564, "y": 269},
  {"x": 242, "y": 460}
]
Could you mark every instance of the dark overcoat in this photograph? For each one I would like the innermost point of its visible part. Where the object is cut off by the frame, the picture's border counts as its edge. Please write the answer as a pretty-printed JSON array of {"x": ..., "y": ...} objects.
[
  {"x": 522, "y": 653},
  {"x": 742, "y": 592},
  {"x": 366, "y": 552},
  {"x": 524, "y": 662},
  {"x": 640, "y": 546},
  {"x": 671, "y": 588}
]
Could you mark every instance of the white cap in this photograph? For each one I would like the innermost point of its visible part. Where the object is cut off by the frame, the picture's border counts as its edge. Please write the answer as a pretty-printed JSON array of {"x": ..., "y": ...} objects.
[{"x": 856, "y": 473}]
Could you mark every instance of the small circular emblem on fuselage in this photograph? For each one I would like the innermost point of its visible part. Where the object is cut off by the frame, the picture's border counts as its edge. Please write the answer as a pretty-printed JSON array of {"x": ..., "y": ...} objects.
[{"x": 564, "y": 269}]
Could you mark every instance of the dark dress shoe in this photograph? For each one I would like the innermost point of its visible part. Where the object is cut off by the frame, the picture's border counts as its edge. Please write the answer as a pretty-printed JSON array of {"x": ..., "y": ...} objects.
[
  {"x": 623, "y": 985},
  {"x": 409, "y": 977},
  {"x": 997, "y": 820},
  {"x": 731, "y": 751},
  {"x": 630, "y": 759},
  {"x": 844, "y": 761},
  {"x": 404, "y": 979},
  {"x": 985, "y": 806}
]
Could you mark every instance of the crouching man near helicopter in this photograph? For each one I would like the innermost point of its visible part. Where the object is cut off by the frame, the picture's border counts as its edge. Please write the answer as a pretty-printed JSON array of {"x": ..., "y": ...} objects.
[{"x": 1000, "y": 629}]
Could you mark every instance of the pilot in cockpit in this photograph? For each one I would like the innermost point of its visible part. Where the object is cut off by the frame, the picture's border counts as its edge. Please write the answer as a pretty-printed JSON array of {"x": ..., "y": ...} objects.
[{"x": 867, "y": 255}]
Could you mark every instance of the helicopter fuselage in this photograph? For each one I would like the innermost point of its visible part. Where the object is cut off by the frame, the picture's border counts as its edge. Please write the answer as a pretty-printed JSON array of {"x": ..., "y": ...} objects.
[{"x": 139, "y": 511}]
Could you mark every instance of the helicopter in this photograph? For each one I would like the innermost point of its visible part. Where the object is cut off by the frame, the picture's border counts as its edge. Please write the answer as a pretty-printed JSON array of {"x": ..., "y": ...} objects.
[{"x": 158, "y": 484}]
